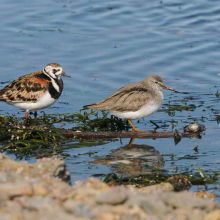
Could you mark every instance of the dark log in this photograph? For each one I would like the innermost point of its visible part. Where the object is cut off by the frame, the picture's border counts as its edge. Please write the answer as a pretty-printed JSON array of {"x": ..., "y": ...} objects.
[{"x": 99, "y": 135}]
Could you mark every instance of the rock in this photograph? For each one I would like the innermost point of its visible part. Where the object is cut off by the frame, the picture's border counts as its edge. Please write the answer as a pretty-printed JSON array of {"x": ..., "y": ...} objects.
[
  {"x": 83, "y": 193},
  {"x": 162, "y": 186},
  {"x": 40, "y": 189},
  {"x": 69, "y": 204},
  {"x": 121, "y": 209},
  {"x": 154, "y": 206},
  {"x": 214, "y": 215},
  {"x": 105, "y": 216},
  {"x": 55, "y": 167},
  {"x": 187, "y": 201},
  {"x": 58, "y": 215},
  {"x": 180, "y": 183},
  {"x": 194, "y": 128},
  {"x": 37, "y": 203},
  {"x": 12, "y": 190},
  {"x": 116, "y": 195},
  {"x": 83, "y": 210},
  {"x": 96, "y": 184},
  {"x": 9, "y": 164},
  {"x": 92, "y": 187},
  {"x": 150, "y": 217},
  {"x": 205, "y": 194},
  {"x": 3, "y": 177},
  {"x": 48, "y": 166}
]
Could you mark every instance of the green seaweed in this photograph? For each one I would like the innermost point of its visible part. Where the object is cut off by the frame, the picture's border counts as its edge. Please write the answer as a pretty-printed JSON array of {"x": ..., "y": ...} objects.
[
  {"x": 160, "y": 176},
  {"x": 88, "y": 121},
  {"x": 26, "y": 135},
  {"x": 171, "y": 109}
]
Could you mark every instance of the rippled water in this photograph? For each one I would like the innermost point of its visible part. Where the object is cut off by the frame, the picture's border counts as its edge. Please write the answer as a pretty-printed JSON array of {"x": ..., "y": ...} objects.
[{"x": 105, "y": 45}]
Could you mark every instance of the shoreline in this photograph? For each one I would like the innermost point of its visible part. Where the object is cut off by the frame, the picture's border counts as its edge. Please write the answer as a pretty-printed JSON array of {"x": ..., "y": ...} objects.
[{"x": 42, "y": 190}]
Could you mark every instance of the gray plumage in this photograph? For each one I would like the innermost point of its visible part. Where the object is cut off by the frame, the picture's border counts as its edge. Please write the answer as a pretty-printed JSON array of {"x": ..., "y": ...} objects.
[{"x": 132, "y": 97}]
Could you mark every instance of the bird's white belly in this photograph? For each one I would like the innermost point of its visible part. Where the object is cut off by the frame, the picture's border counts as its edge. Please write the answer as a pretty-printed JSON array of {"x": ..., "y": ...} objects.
[
  {"x": 44, "y": 101},
  {"x": 149, "y": 108}
]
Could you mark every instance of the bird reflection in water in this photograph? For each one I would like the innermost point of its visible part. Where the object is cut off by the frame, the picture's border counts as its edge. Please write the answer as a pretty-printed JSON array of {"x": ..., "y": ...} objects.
[{"x": 133, "y": 159}]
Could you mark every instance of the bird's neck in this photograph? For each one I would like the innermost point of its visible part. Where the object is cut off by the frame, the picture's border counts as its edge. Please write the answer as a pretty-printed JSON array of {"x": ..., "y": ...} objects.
[{"x": 55, "y": 85}]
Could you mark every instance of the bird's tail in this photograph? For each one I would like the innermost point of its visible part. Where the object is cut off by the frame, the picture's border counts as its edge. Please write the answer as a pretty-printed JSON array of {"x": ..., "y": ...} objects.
[{"x": 91, "y": 106}]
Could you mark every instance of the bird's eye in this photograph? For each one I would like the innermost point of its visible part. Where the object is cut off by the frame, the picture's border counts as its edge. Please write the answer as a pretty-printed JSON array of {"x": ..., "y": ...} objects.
[
  {"x": 156, "y": 82},
  {"x": 54, "y": 71}
]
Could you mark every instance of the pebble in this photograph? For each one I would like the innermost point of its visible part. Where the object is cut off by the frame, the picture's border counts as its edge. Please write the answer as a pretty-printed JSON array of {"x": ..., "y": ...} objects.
[
  {"x": 161, "y": 186},
  {"x": 113, "y": 197},
  {"x": 154, "y": 206},
  {"x": 206, "y": 194},
  {"x": 187, "y": 201},
  {"x": 12, "y": 190},
  {"x": 194, "y": 128},
  {"x": 82, "y": 210},
  {"x": 214, "y": 215}
]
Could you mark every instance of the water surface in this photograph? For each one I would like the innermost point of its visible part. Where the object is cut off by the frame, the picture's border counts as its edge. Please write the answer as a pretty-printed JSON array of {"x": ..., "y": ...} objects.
[{"x": 105, "y": 45}]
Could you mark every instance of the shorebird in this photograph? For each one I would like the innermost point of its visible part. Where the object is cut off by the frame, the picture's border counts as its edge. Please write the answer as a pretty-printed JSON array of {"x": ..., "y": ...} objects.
[
  {"x": 35, "y": 91},
  {"x": 134, "y": 101}
]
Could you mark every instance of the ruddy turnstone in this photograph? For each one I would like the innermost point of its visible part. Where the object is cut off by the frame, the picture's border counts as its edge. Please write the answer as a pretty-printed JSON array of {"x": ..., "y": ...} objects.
[
  {"x": 134, "y": 101},
  {"x": 35, "y": 91}
]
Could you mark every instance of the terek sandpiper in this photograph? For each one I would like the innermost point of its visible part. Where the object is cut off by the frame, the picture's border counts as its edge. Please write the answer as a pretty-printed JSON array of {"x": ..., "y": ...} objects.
[{"x": 134, "y": 101}]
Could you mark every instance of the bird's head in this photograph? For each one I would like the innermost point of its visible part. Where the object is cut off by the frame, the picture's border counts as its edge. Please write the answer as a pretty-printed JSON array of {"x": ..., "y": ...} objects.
[{"x": 54, "y": 70}]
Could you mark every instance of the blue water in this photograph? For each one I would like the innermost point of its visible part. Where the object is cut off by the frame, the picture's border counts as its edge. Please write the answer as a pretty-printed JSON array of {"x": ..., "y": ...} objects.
[{"x": 105, "y": 45}]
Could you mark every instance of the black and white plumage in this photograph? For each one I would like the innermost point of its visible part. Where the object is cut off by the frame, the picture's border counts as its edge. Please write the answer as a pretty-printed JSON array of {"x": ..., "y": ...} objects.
[{"x": 35, "y": 91}]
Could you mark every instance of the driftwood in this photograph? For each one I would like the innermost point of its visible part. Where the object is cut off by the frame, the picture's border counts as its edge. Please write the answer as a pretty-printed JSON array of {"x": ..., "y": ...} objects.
[{"x": 146, "y": 135}]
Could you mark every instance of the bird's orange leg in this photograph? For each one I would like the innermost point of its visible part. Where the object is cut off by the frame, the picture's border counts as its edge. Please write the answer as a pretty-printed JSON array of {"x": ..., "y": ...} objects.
[
  {"x": 131, "y": 142},
  {"x": 135, "y": 129},
  {"x": 35, "y": 114},
  {"x": 26, "y": 114}
]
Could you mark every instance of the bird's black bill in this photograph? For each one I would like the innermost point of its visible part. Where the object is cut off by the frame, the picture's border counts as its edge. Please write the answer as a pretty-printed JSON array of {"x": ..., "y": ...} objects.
[{"x": 64, "y": 74}]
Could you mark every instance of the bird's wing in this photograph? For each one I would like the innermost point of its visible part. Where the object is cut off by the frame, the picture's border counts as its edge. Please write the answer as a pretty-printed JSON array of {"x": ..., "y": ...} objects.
[
  {"x": 128, "y": 98},
  {"x": 29, "y": 88}
]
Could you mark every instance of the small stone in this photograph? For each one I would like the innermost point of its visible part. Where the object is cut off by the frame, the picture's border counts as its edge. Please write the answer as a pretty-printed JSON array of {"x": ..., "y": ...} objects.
[
  {"x": 153, "y": 205},
  {"x": 105, "y": 216},
  {"x": 196, "y": 214},
  {"x": 69, "y": 204},
  {"x": 56, "y": 215},
  {"x": 37, "y": 203},
  {"x": 40, "y": 190},
  {"x": 180, "y": 183},
  {"x": 204, "y": 194},
  {"x": 12, "y": 190},
  {"x": 21, "y": 167},
  {"x": 3, "y": 156},
  {"x": 162, "y": 186},
  {"x": 3, "y": 176},
  {"x": 117, "y": 195},
  {"x": 121, "y": 209},
  {"x": 83, "y": 210},
  {"x": 83, "y": 193},
  {"x": 112, "y": 183},
  {"x": 152, "y": 217},
  {"x": 194, "y": 128},
  {"x": 97, "y": 184},
  {"x": 214, "y": 215},
  {"x": 187, "y": 201}
]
